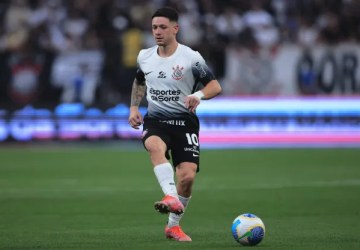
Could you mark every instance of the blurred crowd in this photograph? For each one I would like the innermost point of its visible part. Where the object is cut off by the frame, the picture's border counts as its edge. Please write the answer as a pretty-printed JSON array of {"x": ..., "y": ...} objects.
[{"x": 58, "y": 51}]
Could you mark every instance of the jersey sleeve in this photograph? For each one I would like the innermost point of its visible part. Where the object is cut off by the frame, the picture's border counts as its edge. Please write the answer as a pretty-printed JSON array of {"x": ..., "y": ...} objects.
[
  {"x": 139, "y": 75},
  {"x": 201, "y": 71}
]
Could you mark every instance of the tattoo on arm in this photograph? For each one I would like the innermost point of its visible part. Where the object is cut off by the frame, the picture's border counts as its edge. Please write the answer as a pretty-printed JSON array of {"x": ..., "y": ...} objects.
[{"x": 137, "y": 93}]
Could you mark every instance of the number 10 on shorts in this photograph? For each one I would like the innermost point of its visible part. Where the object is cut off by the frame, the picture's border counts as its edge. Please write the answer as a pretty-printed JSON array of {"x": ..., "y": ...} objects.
[{"x": 192, "y": 139}]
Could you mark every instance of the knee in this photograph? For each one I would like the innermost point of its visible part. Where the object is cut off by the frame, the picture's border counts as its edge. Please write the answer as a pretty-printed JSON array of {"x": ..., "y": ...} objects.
[
  {"x": 154, "y": 149},
  {"x": 186, "y": 180},
  {"x": 155, "y": 145}
]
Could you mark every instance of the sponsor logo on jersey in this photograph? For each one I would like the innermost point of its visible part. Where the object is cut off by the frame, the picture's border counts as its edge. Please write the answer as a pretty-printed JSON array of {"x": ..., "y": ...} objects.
[
  {"x": 178, "y": 74},
  {"x": 164, "y": 95},
  {"x": 162, "y": 74},
  {"x": 201, "y": 69}
]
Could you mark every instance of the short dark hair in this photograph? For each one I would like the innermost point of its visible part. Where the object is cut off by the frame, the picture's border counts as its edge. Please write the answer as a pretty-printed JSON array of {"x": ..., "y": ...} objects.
[{"x": 167, "y": 12}]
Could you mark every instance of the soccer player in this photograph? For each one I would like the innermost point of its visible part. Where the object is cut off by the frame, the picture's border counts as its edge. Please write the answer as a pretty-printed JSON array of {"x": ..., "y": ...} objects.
[{"x": 171, "y": 75}]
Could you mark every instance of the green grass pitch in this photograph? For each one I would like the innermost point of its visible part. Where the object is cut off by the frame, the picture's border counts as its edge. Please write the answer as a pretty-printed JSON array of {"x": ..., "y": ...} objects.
[{"x": 102, "y": 198}]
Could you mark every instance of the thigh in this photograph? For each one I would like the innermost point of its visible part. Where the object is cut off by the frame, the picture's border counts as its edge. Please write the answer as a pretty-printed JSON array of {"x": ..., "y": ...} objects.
[
  {"x": 157, "y": 150},
  {"x": 152, "y": 133},
  {"x": 185, "y": 146}
]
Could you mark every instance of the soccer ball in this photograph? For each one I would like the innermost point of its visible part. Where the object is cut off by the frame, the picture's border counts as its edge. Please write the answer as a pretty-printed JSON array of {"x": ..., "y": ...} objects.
[{"x": 248, "y": 229}]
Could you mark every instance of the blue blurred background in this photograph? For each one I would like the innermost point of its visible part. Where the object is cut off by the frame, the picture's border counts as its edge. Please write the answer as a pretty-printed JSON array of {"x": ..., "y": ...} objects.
[{"x": 289, "y": 69}]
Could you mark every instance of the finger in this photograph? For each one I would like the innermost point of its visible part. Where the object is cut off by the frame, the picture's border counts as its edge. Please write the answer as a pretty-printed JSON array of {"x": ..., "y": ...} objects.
[
  {"x": 187, "y": 104},
  {"x": 135, "y": 126},
  {"x": 138, "y": 119}
]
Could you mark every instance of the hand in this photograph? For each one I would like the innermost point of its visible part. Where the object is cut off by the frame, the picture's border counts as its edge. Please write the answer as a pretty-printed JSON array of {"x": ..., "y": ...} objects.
[
  {"x": 135, "y": 118},
  {"x": 191, "y": 102}
]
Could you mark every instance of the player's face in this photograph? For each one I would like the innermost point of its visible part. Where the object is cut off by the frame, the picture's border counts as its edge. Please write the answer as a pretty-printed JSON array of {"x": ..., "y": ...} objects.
[{"x": 164, "y": 31}]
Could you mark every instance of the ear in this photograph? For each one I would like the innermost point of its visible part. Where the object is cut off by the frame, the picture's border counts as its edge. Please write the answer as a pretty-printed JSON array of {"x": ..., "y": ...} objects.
[{"x": 176, "y": 28}]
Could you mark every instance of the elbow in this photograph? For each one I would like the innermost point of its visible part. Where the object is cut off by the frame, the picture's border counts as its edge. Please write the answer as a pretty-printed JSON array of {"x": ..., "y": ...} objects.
[
  {"x": 213, "y": 89},
  {"x": 218, "y": 89}
]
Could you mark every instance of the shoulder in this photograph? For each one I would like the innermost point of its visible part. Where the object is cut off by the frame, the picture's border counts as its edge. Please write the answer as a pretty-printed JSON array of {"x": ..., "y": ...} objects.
[
  {"x": 189, "y": 51},
  {"x": 146, "y": 53},
  {"x": 193, "y": 55}
]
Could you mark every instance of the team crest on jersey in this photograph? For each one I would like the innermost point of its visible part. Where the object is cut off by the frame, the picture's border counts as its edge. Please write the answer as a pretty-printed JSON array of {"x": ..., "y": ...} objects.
[{"x": 178, "y": 74}]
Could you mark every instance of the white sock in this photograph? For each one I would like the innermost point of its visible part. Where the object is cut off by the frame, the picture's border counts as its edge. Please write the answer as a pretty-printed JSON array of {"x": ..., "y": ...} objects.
[
  {"x": 174, "y": 219},
  {"x": 165, "y": 175}
]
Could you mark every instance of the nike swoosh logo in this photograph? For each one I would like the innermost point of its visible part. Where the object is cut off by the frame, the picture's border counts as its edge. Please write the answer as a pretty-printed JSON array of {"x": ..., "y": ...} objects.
[
  {"x": 195, "y": 155},
  {"x": 146, "y": 73}
]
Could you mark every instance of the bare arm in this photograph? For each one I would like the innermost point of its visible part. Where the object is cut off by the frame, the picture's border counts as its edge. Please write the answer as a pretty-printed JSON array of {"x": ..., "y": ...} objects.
[
  {"x": 137, "y": 93},
  {"x": 211, "y": 90}
]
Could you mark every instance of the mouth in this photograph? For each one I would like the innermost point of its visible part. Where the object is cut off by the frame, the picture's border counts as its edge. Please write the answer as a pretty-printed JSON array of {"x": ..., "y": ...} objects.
[{"x": 159, "y": 40}]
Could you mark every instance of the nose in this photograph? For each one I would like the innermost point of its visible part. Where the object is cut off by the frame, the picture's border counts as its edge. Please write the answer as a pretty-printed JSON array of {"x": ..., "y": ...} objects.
[{"x": 157, "y": 31}]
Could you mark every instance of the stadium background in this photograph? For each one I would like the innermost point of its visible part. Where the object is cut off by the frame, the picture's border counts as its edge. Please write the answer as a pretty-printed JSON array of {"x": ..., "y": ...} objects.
[
  {"x": 66, "y": 67},
  {"x": 282, "y": 141}
]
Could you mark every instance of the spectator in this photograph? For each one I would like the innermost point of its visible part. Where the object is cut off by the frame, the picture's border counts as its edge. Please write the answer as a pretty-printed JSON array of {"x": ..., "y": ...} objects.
[
  {"x": 329, "y": 26},
  {"x": 307, "y": 34},
  {"x": 16, "y": 25},
  {"x": 229, "y": 23},
  {"x": 49, "y": 15},
  {"x": 50, "y": 29},
  {"x": 262, "y": 25}
]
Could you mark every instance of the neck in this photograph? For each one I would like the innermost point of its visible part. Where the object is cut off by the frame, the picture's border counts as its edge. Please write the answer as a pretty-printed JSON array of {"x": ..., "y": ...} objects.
[{"x": 167, "y": 50}]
